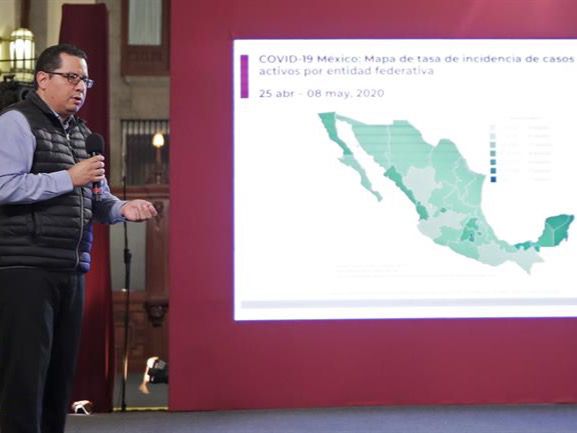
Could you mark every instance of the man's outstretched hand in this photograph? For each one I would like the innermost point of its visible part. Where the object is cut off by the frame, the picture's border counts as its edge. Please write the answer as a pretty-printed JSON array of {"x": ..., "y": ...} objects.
[{"x": 138, "y": 210}]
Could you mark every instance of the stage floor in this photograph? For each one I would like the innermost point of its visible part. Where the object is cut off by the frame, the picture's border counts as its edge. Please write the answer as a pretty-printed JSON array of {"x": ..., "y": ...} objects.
[{"x": 425, "y": 419}]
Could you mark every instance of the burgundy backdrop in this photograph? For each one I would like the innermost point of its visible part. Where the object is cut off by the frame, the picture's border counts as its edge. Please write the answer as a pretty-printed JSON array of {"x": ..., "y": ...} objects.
[
  {"x": 86, "y": 26},
  {"x": 216, "y": 363}
]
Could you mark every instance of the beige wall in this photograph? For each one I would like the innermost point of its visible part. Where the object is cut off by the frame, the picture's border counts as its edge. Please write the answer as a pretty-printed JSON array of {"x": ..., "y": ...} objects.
[
  {"x": 130, "y": 97},
  {"x": 9, "y": 18}
]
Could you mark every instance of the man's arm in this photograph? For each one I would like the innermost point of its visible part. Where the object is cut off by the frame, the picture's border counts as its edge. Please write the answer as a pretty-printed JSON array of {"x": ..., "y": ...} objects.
[
  {"x": 109, "y": 209},
  {"x": 17, "y": 184}
]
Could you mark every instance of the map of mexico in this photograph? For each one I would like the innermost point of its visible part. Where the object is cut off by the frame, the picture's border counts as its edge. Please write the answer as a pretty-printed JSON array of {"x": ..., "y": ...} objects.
[{"x": 447, "y": 195}]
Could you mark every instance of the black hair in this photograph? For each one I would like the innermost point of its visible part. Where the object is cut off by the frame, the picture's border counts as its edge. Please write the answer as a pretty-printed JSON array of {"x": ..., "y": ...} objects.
[{"x": 49, "y": 60}]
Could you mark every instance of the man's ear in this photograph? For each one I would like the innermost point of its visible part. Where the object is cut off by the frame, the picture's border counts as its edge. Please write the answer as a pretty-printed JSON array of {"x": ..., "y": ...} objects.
[{"x": 42, "y": 79}]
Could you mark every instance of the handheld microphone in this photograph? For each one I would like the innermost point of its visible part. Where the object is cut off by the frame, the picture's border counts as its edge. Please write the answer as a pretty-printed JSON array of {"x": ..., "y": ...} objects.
[{"x": 95, "y": 146}]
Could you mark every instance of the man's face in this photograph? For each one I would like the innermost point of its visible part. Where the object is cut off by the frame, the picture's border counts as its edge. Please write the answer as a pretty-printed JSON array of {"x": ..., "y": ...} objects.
[{"x": 64, "y": 97}]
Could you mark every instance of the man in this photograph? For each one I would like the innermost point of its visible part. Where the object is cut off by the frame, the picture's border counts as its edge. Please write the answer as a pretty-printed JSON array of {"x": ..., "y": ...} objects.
[{"x": 46, "y": 209}]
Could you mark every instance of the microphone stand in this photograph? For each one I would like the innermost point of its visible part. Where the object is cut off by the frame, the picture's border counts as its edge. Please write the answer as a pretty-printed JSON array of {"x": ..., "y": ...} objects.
[{"x": 127, "y": 261}]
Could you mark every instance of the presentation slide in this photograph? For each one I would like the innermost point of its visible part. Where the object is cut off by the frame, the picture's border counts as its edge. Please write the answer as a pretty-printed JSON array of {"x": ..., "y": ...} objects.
[{"x": 404, "y": 179}]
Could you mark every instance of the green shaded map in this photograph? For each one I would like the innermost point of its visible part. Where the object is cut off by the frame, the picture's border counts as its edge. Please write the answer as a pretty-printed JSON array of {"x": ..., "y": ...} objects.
[{"x": 445, "y": 192}]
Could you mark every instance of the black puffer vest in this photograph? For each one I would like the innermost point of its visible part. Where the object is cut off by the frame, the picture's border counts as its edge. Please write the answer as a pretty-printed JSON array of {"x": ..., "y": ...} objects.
[{"x": 56, "y": 233}]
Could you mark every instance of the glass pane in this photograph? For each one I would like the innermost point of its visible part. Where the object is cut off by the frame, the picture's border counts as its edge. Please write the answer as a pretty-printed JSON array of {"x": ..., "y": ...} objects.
[{"x": 145, "y": 22}]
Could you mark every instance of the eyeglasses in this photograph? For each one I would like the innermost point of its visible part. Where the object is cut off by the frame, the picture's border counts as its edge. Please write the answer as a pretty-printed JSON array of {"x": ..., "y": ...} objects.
[{"x": 74, "y": 79}]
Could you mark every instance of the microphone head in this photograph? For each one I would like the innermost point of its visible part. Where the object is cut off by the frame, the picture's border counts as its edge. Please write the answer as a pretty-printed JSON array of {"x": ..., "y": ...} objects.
[{"x": 94, "y": 144}]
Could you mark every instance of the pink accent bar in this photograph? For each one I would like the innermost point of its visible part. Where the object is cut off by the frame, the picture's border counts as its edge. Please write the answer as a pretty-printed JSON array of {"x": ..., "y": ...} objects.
[{"x": 244, "y": 76}]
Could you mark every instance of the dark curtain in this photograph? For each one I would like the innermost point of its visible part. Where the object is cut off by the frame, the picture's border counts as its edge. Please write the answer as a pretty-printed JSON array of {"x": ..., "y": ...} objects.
[{"x": 86, "y": 26}]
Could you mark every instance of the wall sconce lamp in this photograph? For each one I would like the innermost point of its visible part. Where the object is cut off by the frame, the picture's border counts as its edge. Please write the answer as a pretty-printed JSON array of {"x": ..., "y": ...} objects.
[
  {"x": 158, "y": 143},
  {"x": 158, "y": 140},
  {"x": 22, "y": 61}
]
